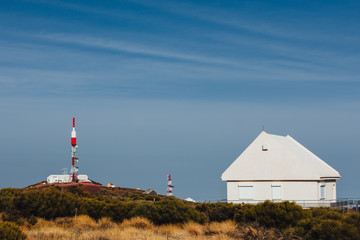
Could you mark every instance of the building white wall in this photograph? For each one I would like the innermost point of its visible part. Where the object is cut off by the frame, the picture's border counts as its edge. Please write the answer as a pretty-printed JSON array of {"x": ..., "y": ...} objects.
[
  {"x": 304, "y": 191},
  {"x": 65, "y": 178},
  {"x": 330, "y": 189}
]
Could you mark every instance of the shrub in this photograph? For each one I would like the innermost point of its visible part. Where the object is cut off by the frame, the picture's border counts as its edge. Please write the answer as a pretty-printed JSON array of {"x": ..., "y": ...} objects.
[
  {"x": 119, "y": 211},
  {"x": 218, "y": 212},
  {"x": 168, "y": 211},
  {"x": 245, "y": 214},
  {"x": 75, "y": 190},
  {"x": 10, "y": 231},
  {"x": 278, "y": 215},
  {"x": 333, "y": 229},
  {"x": 32, "y": 220},
  {"x": 353, "y": 218},
  {"x": 326, "y": 213},
  {"x": 329, "y": 224},
  {"x": 304, "y": 226},
  {"x": 49, "y": 204}
]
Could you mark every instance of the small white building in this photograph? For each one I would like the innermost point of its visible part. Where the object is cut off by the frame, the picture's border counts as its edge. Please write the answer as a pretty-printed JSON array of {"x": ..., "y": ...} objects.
[
  {"x": 279, "y": 168},
  {"x": 65, "y": 178},
  {"x": 189, "y": 199}
]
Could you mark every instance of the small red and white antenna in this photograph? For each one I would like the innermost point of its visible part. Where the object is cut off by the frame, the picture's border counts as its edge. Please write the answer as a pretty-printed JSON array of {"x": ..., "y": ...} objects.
[
  {"x": 74, "y": 159},
  {"x": 169, "y": 191}
]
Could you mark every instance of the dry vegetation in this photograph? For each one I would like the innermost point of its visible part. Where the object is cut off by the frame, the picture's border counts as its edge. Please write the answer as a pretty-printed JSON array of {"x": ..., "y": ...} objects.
[
  {"x": 137, "y": 217},
  {"x": 86, "y": 228}
]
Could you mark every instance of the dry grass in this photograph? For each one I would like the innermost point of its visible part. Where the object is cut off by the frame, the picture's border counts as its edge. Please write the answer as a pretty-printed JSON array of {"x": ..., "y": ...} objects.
[
  {"x": 84, "y": 222},
  {"x": 171, "y": 229},
  {"x": 105, "y": 223},
  {"x": 86, "y": 228},
  {"x": 194, "y": 228},
  {"x": 137, "y": 222},
  {"x": 226, "y": 227}
]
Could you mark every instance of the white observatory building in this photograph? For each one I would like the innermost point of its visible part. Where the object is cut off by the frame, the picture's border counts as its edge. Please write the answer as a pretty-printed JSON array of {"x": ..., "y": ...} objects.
[
  {"x": 65, "y": 178},
  {"x": 279, "y": 168}
]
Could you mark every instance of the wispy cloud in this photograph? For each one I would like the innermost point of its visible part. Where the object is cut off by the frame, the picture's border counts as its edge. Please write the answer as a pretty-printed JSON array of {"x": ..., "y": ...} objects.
[
  {"x": 88, "y": 67},
  {"x": 301, "y": 61},
  {"x": 77, "y": 7},
  {"x": 245, "y": 21},
  {"x": 122, "y": 46},
  {"x": 214, "y": 50}
]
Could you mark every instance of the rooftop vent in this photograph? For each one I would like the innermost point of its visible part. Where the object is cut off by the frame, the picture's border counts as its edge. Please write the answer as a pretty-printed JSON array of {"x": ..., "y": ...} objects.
[{"x": 265, "y": 147}]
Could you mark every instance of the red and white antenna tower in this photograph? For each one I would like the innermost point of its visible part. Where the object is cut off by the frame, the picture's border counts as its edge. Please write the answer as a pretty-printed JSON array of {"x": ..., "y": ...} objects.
[
  {"x": 74, "y": 159},
  {"x": 169, "y": 191}
]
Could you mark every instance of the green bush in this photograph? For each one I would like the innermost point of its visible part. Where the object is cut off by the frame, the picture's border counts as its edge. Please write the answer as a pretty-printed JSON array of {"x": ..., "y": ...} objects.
[
  {"x": 245, "y": 214},
  {"x": 10, "y": 231},
  {"x": 218, "y": 212},
  {"x": 326, "y": 213},
  {"x": 333, "y": 229},
  {"x": 353, "y": 218},
  {"x": 32, "y": 220},
  {"x": 326, "y": 223},
  {"x": 278, "y": 215},
  {"x": 169, "y": 210},
  {"x": 119, "y": 211},
  {"x": 304, "y": 226},
  {"x": 11, "y": 216}
]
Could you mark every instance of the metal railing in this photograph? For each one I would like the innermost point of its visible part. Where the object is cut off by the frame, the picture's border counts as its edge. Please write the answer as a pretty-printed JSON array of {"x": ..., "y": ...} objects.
[
  {"x": 340, "y": 203},
  {"x": 303, "y": 203},
  {"x": 347, "y": 203},
  {"x": 333, "y": 203}
]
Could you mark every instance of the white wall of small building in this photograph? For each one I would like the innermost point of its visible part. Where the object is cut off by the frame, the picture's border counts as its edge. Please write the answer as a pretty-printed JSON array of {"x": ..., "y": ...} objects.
[
  {"x": 330, "y": 190},
  {"x": 65, "y": 178},
  {"x": 291, "y": 190}
]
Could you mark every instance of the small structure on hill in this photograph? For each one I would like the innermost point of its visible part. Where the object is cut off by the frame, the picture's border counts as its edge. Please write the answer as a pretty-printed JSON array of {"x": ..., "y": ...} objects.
[
  {"x": 169, "y": 191},
  {"x": 66, "y": 179},
  {"x": 73, "y": 177},
  {"x": 151, "y": 192},
  {"x": 189, "y": 199},
  {"x": 279, "y": 168}
]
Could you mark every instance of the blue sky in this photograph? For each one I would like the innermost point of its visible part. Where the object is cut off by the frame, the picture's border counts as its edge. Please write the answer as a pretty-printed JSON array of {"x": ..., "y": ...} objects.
[{"x": 177, "y": 87}]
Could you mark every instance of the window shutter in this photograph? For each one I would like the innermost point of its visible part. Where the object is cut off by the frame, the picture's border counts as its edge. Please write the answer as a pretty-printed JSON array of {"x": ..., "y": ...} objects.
[
  {"x": 322, "y": 191},
  {"x": 246, "y": 192},
  {"x": 276, "y": 192}
]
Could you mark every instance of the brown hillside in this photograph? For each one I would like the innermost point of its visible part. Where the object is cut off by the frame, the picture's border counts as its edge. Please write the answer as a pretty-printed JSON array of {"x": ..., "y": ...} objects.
[{"x": 93, "y": 189}]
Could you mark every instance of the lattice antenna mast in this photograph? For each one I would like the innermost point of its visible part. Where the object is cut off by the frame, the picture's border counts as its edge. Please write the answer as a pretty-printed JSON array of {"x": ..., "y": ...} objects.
[
  {"x": 169, "y": 191},
  {"x": 74, "y": 159}
]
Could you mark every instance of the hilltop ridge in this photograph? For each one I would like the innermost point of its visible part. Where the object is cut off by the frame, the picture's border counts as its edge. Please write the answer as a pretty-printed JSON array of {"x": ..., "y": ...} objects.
[{"x": 92, "y": 189}]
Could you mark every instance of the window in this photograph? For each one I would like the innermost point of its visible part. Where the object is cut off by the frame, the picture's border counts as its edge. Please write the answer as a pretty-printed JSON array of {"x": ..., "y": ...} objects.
[
  {"x": 276, "y": 192},
  {"x": 246, "y": 192},
  {"x": 322, "y": 191}
]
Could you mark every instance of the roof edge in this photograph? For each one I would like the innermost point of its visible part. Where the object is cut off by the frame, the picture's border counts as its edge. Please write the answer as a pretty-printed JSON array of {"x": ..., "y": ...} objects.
[{"x": 316, "y": 157}]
